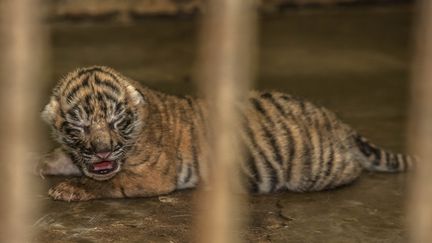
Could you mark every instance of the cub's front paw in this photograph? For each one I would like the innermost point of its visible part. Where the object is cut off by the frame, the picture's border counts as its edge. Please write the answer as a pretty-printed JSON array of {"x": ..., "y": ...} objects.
[
  {"x": 56, "y": 163},
  {"x": 69, "y": 191}
]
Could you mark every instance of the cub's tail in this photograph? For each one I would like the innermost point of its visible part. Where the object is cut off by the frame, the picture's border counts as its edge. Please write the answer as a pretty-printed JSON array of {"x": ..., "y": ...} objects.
[{"x": 378, "y": 159}]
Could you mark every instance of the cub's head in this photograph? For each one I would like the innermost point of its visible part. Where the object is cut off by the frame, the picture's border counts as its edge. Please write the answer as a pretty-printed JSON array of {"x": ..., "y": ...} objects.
[{"x": 96, "y": 114}]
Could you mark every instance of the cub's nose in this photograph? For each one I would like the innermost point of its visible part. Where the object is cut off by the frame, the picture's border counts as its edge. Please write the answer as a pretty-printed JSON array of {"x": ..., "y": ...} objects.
[{"x": 103, "y": 155}]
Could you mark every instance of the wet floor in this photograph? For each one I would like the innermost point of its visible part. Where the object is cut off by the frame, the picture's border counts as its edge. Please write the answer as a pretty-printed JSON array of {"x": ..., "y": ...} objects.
[{"x": 355, "y": 61}]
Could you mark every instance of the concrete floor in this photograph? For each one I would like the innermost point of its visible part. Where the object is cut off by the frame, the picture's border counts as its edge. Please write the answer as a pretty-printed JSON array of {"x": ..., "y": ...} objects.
[{"x": 354, "y": 61}]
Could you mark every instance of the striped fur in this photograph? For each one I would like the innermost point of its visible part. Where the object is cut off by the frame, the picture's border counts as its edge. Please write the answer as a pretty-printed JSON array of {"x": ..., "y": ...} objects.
[{"x": 158, "y": 140}]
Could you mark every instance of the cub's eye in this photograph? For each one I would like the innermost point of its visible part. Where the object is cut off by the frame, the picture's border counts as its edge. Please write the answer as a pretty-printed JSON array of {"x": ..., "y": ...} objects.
[
  {"x": 86, "y": 128},
  {"x": 75, "y": 129},
  {"x": 72, "y": 132},
  {"x": 124, "y": 124},
  {"x": 118, "y": 117},
  {"x": 115, "y": 122},
  {"x": 111, "y": 125}
]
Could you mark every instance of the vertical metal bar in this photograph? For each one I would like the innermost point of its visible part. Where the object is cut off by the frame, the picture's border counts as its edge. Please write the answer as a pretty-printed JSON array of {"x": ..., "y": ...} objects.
[
  {"x": 225, "y": 71},
  {"x": 420, "y": 129},
  {"x": 20, "y": 68}
]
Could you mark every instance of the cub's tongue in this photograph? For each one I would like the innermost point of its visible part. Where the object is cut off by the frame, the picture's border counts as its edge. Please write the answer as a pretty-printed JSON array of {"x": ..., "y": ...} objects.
[{"x": 103, "y": 165}]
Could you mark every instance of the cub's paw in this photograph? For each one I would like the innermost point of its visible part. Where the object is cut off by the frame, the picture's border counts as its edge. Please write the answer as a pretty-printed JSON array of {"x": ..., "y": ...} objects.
[
  {"x": 69, "y": 191},
  {"x": 56, "y": 163}
]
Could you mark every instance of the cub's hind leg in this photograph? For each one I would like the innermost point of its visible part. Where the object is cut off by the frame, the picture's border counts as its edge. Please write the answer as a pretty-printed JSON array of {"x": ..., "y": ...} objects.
[
  {"x": 57, "y": 162},
  {"x": 339, "y": 166},
  {"x": 345, "y": 169}
]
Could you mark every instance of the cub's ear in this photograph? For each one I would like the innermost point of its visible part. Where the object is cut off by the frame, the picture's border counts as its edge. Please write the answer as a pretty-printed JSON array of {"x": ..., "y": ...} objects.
[
  {"x": 135, "y": 95},
  {"x": 49, "y": 112}
]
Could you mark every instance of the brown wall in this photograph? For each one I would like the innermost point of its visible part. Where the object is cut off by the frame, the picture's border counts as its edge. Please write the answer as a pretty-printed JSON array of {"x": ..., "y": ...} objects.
[{"x": 126, "y": 10}]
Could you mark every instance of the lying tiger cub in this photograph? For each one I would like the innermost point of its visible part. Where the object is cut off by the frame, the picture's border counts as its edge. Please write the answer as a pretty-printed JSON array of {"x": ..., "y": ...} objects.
[{"x": 130, "y": 141}]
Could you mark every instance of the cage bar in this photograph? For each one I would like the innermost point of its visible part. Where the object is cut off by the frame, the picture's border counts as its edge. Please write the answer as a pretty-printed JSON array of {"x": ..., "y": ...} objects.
[
  {"x": 226, "y": 58},
  {"x": 420, "y": 128},
  {"x": 21, "y": 65}
]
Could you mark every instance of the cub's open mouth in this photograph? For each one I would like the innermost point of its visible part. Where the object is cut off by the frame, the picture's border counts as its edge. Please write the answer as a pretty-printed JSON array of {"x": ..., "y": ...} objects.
[{"x": 102, "y": 167}]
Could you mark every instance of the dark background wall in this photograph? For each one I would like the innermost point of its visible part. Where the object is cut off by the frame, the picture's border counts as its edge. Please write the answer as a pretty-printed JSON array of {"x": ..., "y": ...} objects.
[{"x": 126, "y": 10}]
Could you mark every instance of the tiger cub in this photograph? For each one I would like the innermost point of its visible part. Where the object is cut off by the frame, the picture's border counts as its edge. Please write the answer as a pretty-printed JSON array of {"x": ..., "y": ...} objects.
[{"x": 127, "y": 140}]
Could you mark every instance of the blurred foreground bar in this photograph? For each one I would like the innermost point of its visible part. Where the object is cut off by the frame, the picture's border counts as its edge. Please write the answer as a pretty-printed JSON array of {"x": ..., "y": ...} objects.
[
  {"x": 226, "y": 58},
  {"x": 421, "y": 129},
  {"x": 21, "y": 64}
]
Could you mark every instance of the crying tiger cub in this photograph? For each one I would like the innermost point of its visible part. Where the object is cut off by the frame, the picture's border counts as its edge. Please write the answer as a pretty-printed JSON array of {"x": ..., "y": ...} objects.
[{"x": 126, "y": 140}]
